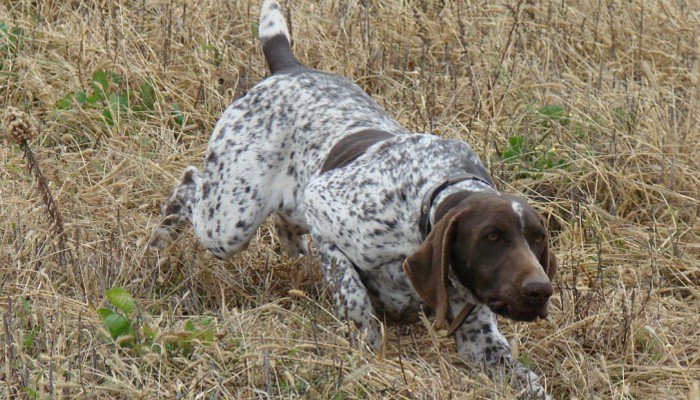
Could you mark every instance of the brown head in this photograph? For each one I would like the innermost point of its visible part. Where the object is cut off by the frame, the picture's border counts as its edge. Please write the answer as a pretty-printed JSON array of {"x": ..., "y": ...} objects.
[{"x": 497, "y": 247}]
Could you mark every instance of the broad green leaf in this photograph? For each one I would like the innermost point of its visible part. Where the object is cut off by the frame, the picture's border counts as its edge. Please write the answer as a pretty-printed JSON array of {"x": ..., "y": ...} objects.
[
  {"x": 98, "y": 93},
  {"x": 148, "y": 96},
  {"x": 510, "y": 155},
  {"x": 555, "y": 112},
  {"x": 177, "y": 114},
  {"x": 115, "y": 104},
  {"x": 65, "y": 103},
  {"x": 116, "y": 323},
  {"x": 551, "y": 110},
  {"x": 100, "y": 77},
  {"x": 80, "y": 97},
  {"x": 516, "y": 142},
  {"x": 527, "y": 361},
  {"x": 122, "y": 100},
  {"x": 121, "y": 299},
  {"x": 116, "y": 79},
  {"x": 108, "y": 116}
]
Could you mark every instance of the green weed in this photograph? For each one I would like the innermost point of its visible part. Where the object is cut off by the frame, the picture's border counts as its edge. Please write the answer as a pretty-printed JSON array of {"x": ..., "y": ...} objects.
[{"x": 128, "y": 331}]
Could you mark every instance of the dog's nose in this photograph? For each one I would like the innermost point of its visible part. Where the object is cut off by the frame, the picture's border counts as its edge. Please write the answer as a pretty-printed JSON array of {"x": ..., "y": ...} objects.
[{"x": 537, "y": 292}]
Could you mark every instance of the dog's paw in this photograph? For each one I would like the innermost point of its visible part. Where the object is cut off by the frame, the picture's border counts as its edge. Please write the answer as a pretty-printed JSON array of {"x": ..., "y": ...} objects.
[{"x": 530, "y": 383}]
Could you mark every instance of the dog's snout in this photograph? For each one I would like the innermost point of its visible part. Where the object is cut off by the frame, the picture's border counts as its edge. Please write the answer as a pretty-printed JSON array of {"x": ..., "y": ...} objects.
[{"x": 537, "y": 291}]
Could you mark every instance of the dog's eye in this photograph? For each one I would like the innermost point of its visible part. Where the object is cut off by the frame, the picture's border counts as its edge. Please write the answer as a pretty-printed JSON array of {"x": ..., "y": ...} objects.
[{"x": 493, "y": 236}]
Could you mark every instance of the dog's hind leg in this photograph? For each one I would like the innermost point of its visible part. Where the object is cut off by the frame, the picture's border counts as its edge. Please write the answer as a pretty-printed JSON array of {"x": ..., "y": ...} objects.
[{"x": 177, "y": 209}]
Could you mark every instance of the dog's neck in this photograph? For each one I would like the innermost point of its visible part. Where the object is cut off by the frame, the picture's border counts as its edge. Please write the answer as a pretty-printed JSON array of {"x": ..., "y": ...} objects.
[
  {"x": 452, "y": 196},
  {"x": 448, "y": 203}
]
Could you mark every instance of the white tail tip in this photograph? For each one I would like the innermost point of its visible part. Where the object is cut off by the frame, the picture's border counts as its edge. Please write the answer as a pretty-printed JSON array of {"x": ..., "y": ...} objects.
[{"x": 272, "y": 21}]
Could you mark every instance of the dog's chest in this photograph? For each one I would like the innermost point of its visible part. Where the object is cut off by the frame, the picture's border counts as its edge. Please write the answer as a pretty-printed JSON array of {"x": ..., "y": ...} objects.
[{"x": 390, "y": 291}]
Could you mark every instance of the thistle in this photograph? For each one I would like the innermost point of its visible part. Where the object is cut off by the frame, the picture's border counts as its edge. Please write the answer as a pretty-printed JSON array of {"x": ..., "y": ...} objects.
[{"x": 19, "y": 130}]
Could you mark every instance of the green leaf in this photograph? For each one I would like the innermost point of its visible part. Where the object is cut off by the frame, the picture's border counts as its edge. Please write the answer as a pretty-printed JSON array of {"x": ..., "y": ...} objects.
[
  {"x": 108, "y": 116},
  {"x": 100, "y": 76},
  {"x": 510, "y": 156},
  {"x": 189, "y": 326},
  {"x": 29, "y": 338},
  {"x": 623, "y": 117},
  {"x": 122, "y": 100},
  {"x": 80, "y": 97},
  {"x": 17, "y": 32},
  {"x": 65, "y": 103},
  {"x": 116, "y": 79},
  {"x": 115, "y": 104},
  {"x": 25, "y": 309},
  {"x": 527, "y": 361},
  {"x": 551, "y": 110},
  {"x": 116, "y": 323},
  {"x": 554, "y": 112},
  {"x": 15, "y": 35},
  {"x": 516, "y": 142},
  {"x": 177, "y": 114},
  {"x": 150, "y": 333},
  {"x": 121, "y": 299},
  {"x": 31, "y": 392},
  {"x": 148, "y": 96},
  {"x": 97, "y": 93},
  {"x": 3, "y": 28},
  {"x": 254, "y": 27}
]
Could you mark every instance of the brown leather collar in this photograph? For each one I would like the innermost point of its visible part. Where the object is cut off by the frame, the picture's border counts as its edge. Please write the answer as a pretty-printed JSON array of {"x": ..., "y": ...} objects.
[
  {"x": 457, "y": 321},
  {"x": 430, "y": 195}
]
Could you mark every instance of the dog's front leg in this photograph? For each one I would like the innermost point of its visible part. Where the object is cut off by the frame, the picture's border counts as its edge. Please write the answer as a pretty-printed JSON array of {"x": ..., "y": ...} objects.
[
  {"x": 349, "y": 293},
  {"x": 479, "y": 342}
]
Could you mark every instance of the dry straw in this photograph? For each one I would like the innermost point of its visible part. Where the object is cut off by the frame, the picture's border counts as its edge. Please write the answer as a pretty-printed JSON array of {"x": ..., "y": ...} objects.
[{"x": 614, "y": 169}]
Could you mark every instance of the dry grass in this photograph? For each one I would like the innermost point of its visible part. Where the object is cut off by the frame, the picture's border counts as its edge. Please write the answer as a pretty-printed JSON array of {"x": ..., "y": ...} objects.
[{"x": 623, "y": 208}]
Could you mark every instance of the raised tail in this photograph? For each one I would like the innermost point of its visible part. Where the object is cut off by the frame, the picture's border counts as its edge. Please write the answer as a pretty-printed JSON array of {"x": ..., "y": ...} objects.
[{"x": 275, "y": 40}]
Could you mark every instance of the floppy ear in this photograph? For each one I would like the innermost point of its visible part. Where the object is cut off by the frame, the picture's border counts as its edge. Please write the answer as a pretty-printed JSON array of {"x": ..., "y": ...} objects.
[
  {"x": 549, "y": 263},
  {"x": 428, "y": 266}
]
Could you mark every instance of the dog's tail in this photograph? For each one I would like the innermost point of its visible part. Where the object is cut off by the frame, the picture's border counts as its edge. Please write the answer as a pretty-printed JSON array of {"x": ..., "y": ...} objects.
[{"x": 275, "y": 40}]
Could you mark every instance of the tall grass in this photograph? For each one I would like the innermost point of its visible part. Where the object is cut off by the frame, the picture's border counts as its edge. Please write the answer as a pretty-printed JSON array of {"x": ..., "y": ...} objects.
[{"x": 588, "y": 108}]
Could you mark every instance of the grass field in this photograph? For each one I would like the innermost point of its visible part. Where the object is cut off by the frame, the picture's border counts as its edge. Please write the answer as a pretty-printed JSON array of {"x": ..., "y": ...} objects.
[{"x": 589, "y": 108}]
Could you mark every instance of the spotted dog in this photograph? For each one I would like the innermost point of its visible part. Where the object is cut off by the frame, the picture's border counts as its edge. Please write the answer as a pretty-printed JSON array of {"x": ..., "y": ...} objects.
[{"x": 401, "y": 220}]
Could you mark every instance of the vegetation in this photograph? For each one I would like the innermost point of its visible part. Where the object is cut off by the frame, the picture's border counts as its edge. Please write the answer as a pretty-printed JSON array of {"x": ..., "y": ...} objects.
[{"x": 589, "y": 109}]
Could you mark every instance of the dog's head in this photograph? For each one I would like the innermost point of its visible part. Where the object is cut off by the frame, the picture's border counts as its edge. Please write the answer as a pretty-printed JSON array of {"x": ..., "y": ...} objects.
[{"x": 497, "y": 247}]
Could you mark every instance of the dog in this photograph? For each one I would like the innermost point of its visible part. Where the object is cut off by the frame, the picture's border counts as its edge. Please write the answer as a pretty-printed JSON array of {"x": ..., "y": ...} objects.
[{"x": 401, "y": 220}]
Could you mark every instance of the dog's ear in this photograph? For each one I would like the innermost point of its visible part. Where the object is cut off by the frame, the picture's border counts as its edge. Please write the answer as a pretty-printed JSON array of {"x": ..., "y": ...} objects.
[
  {"x": 427, "y": 267},
  {"x": 548, "y": 260}
]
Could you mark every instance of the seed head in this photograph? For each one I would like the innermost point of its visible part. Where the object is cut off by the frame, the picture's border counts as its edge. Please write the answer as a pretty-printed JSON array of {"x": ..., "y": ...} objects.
[{"x": 18, "y": 128}]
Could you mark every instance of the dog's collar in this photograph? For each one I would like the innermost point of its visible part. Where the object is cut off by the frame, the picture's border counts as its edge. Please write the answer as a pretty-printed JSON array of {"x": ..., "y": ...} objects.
[
  {"x": 459, "y": 318},
  {"x": 430, "y": 195}
]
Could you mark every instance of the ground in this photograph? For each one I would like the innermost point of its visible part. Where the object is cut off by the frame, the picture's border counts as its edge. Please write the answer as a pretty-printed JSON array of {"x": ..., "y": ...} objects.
[{"x": 589, "y": 109}]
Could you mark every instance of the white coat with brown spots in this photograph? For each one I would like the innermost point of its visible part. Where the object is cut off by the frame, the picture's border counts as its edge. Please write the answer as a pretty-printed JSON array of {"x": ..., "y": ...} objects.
[{"x": 265, "y": 157}]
